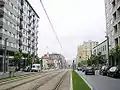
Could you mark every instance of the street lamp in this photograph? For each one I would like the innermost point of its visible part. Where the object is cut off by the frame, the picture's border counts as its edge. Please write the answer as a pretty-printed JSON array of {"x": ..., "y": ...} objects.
[
  {"x": 107, "y": 37},
  {"x": 4, "y": 58}
]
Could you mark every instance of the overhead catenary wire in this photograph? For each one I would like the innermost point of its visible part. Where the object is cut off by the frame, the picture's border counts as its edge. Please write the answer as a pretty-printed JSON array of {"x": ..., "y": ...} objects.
[{"x": 51, "y": 24}]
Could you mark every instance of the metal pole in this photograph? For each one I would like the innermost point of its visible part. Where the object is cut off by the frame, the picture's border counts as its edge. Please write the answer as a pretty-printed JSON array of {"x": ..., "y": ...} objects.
[
  {"x": 5, "y": 52},
  {"x": 108, "y": 49}
]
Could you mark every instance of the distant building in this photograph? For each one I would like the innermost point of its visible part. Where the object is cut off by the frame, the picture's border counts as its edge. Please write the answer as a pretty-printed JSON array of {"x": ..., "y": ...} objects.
[
  {"x": 101, "y": 48},
  {"x": 84, "y": 51},
  {"x": 54, "y": 60},
  {"x": 45, "y": 59},
  {"x": 59, "y": 59}
]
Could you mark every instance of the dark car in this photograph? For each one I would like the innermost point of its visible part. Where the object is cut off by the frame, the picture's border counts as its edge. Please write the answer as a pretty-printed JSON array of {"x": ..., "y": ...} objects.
[
  {"x": 90, "y": 70},
  {"x": 113, "y": 72},
  {"x": 27, "y": 69},
  {"x": 103, "y": 70},
  {"x": 83, "y": 69},
  {"x": 79, "y": 69}
]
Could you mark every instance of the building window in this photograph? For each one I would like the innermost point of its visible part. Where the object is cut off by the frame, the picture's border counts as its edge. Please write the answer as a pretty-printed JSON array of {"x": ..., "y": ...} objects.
[
  {"x": 115, "y": 28},
  {"x": 105, "y": 47},
  {"x": 5, "y": 30},
  {"x": 113, "y": 3},
  {"x": 10, "y": 33},
  {"x": 14, "y": 35},
  {"x": 116, "y": 41},
  {"x": 118, "y": 10},
  {"x": 23, "y": 39},
  {"x": 114, "y": 16}
]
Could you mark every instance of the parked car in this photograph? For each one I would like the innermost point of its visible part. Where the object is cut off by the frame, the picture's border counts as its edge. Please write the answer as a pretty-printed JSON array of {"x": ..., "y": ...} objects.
[
  {"x": 35, "y": 68},
  {"x": 90, "y": 70},
  {"x": 113, "y": 72},
  {"x": 103, "y": 70},
  {"x": 27, "y": 69},
  {"x": 79, "y": 69},
  {"x": 83, "y": 69}
]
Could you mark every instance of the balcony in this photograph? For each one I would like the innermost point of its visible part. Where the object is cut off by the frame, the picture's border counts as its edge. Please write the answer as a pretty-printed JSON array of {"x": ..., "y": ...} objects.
[
  {"x": 33, "y": 40},
  {"x": 33, "y": 34},
  {"x": 33, "y": 27},
  {"x": 36, "y": 48},
  {"x": 33, "y": 21},
  {"x": 21, "y": 18},
  {"x": 20, "y": 34},
  {"x": 21, "y": 26},
  {"x": 29, "y": 37},
  {"x": 29, "y": 24},
  {"x": 36, "y": 42},
  {"x": 20, "y": 42},
  {"x": 22, "y": 2},
  {"x": 30, "y": 17},
  {"x": 1, "y": 24},
  {"x": 21, "y": 10},
  {"x": 29, "y": 31},
  {"x": 29, "y": 45},
  {"x": 33, "y": 47}
]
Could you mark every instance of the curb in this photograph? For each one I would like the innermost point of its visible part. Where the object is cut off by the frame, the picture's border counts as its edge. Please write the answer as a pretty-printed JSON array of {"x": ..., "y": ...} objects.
[
  {"x": 85, "y": 81},
  {"x": 71, "y": 84}
]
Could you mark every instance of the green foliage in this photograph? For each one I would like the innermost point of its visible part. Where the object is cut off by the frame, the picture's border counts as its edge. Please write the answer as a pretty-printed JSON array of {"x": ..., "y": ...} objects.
[
  {"x": 96, "y": 60},
  {"x": 89, "y": 62},
  {"x": 17, "y": 57},
  {"x": 78, "y": 82},
  {"x": 79, "y": 64},
  {"x": 29, "y": 59},
  {"x": 115, "y": 53},
  {"x": 84, "y": 62}
]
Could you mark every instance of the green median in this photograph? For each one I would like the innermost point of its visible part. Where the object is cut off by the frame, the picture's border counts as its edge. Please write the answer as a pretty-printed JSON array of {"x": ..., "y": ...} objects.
[{"x": 78, "y": 82}]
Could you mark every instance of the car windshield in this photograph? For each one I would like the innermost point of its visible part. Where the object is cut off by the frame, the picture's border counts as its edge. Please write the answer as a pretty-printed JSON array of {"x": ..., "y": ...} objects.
[
  {"x": 89, "y": 67},
  {"x": 113, "y": 68}
]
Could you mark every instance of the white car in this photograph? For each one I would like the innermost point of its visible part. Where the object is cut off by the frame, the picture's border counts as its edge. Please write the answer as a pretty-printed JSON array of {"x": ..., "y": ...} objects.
[{"x": 35, "y": 68}]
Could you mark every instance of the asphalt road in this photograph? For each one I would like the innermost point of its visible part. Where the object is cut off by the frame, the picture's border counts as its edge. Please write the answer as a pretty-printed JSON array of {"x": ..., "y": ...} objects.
[{"x": 99, "y": 82}]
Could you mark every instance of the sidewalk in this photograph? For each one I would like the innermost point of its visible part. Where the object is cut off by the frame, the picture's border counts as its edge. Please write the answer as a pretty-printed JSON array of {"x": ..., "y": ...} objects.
[{"x": 4, "y": 75}]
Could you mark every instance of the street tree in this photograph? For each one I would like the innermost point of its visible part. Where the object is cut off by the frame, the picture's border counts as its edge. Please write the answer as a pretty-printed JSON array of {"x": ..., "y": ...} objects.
[
  {"x": 29, "y": 60},
  {"x": 115, "y": 55},
  {"x": 17, "y": 59}
]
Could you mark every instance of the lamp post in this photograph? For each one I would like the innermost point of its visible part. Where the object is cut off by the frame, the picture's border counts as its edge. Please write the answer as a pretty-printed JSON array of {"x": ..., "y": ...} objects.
[
  {"x": 107, "y": 37},
  {"x": 4, "y": 58}
]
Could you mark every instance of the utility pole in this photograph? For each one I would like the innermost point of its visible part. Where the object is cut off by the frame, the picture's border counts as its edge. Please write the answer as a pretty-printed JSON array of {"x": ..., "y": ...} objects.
[
  {"x": 5, "y": 53},
  {"x": 108, "y": 49},
  {"x": 73, "y": 65}
]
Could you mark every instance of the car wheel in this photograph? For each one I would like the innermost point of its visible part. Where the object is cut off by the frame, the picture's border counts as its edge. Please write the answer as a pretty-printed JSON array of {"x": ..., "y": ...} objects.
[
  {"x": 108, "y": 75},
  {"x": 85, "y": 73}
]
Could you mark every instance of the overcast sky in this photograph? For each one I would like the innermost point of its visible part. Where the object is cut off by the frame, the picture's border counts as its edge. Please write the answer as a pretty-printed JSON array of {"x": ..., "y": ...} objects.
[{"x": 75, "y": 21}]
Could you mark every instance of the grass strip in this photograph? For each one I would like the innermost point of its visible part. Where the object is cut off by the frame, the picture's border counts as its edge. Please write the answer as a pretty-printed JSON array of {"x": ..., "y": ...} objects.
[{"x": 78, "y": 82}]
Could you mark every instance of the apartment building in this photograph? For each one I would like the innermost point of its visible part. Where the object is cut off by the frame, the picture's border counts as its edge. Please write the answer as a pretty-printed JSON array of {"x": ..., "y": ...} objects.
[
  {"x": 103, "y": 49},
  {"x": 84, "y": 51},
  {"x": 19, "y": 24},
  {"x": 112, "y": 8}
]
